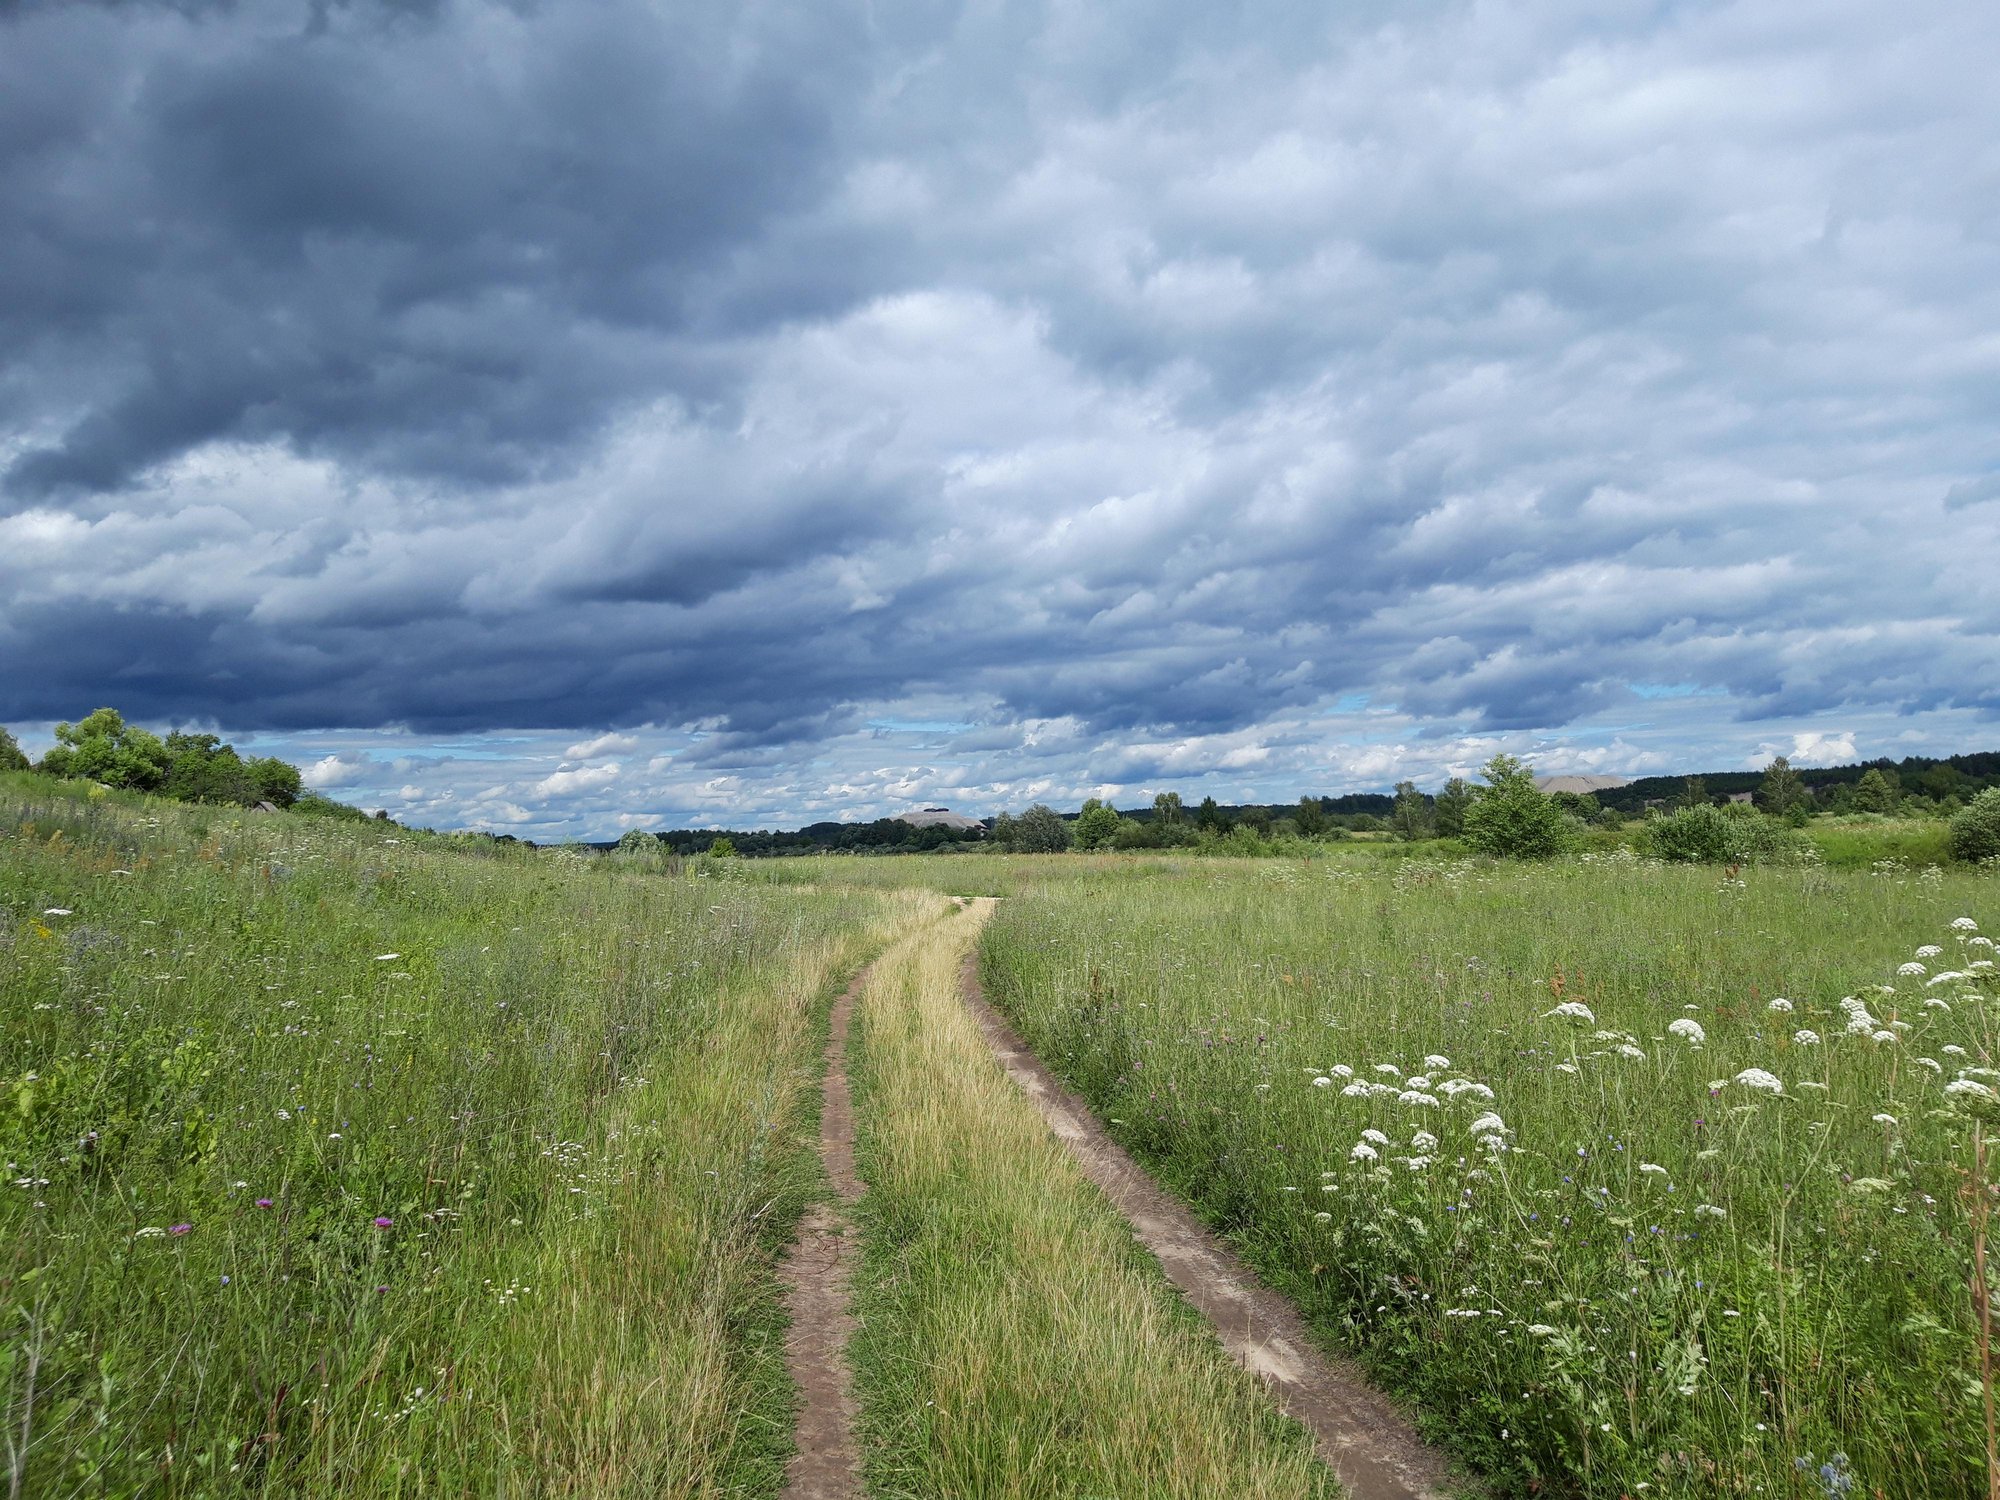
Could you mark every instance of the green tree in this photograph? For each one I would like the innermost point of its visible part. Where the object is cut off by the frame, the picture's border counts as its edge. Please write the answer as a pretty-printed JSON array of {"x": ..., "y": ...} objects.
[
  {"x": 11, "y": 758},
  {"x": 1451, "y": 807},
  {"x": 637, "y": 841},
  {"x": 103, "y": 747},
  {"x": 1310, "y": 819},
  {"x": 1694, "y": 793},
  {"x": 1210, "y": 817},
  {"x": 1511, "y": 818},
  {"x": 1942, "y": 781},
  {"x": 1167, "y": 809},
  {"x": 1096, "y": 825},
  {"x": 1041, "y": 830},
  {"x": 1782, "y": 793},
  {"x": 1411, "y": 817},
  {"x": 1257, "y": 820},
  {"x": 274, "y": 781},
  {"x": 200, "y": 768},
  {"x": 722, "y": 848},
  {"x": 1975, "y": 828},
  {"x": 1876, "y": 791}
]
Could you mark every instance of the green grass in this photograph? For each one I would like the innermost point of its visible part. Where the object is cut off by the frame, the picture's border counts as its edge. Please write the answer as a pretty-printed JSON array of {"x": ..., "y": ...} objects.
[
  {"x": 345, "y": 1161},
  {"x": 1671, "y": 1279},
  {"x": 1014, "y": 1342}
]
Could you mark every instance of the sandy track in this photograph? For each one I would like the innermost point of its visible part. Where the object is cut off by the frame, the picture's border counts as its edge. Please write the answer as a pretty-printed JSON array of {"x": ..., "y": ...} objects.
[
  {"x": 817, "y": 1272},
  {"x": 1367, "y": 1443}
]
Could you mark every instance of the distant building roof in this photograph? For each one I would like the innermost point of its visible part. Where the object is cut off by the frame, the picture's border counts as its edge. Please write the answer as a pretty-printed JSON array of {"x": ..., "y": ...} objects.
[
  {"x": 1581, "y": 783},
  {"x": 941, "y": 817}
]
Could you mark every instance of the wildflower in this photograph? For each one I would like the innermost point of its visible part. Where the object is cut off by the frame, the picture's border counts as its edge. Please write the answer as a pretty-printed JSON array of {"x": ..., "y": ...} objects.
[
  {"x": 148, "y": 1232},
  {"x": 1933, "y": 1064},
  {"x": 383, "y": 958},
  {"x": 1376, "y": 1136},
  {"x": 1805, "y": 1036},
  {"x": 179, "y": 1228},
  {"x": 1411, "y": 1096},
  {"x": 1355, "y": 1091},
  {"x": 1883, "y": 1119},
  {"x": 57, "y": 911},
  {"x": 1780, "y": 1006},
  {"x": 1573, "y": 1010},
  {"x": 383, "y": 1221},
  {"x": 1971, "y": 1090},
  {"x": 1341, "y": 1070},
  {"x": 1709, "y": 1210},
  {"x": 1322, "y": 1218},
  {"x": 1423, "y": 1140},
  {"x": 1910, "y": 969},
  {"x": 1322, "y": 1082},
  {"x": 1363, "y": 1152},
  {"x": 1489, "y": 1123},
  {"x": 1945, "y": 977},
  {"x": 1951, "y": 1049},
  {"x": 1417, "y": 1081},
  {"x": 1647, "y": 1168},
  {"x": 1451, "y": 1088},
  {"x": 1542, "y": 1330},
  {"x": 263, "y": 1202},
  {"x": 1964, "y": 924},
  {"x": 1883, "y": 1037},
  {"x": 1435, "y": 1062},
  {"x": 1929, "y": 950},
  {"x": 1626, "y": 1049},
  {"x": 1757, "y": 1078},
  {"x": 1689, "y": 1029}
]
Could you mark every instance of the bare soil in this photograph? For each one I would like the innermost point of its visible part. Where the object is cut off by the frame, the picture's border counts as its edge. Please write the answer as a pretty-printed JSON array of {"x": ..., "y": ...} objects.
[
  {"x": 1369, "y": 1445},
  {"x": 816, "y": 1273}
]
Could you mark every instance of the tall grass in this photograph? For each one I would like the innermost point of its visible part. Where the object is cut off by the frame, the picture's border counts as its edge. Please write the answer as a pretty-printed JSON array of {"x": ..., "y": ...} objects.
[
  {"x": 1013, "y": 1341},
  {"x": 1453, "y": 1109},
  {"x": 345, "y": 1162}
]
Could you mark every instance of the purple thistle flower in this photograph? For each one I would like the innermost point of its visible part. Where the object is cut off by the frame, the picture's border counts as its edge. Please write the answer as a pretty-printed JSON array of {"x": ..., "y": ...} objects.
[
  {"x": 263, "y": 1202},
  {"x": 382, "y": 1221},
  {"x": 179, "y": 1228}
]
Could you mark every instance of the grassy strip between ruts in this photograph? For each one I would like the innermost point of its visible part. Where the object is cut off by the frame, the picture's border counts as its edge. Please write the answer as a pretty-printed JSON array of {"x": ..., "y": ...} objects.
[
  {"x": 1014, "y": 1341},
  {"x": 350, "y": 1163}
]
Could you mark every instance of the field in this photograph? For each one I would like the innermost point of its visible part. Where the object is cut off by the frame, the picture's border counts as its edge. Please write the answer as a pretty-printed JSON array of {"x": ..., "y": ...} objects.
[
  {"x": 348, "y": 1161},
  {"x": 1460, "y": 1114},
  {"x": 343, "y": 1163}
]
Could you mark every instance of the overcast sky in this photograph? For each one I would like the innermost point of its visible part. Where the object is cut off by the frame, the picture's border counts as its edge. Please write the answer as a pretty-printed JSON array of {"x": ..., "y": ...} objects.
[{"x": 570, "y": 417}]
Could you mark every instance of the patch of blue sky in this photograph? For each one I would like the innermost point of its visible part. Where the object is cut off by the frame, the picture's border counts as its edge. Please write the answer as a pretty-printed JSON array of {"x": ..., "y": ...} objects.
[{"x": 919, "y": 726}]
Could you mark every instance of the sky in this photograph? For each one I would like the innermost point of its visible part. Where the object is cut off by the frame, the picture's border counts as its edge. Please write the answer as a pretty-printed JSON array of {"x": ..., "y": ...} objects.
[{"x": 564, "y": 418}]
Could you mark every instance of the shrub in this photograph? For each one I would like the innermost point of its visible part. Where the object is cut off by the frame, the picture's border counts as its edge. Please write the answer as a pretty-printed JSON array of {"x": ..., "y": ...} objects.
[
  {"x": 1512, "y": 819},
  {"x": 1733, "y": 835},
  {"x": 1975, "y": 829}
]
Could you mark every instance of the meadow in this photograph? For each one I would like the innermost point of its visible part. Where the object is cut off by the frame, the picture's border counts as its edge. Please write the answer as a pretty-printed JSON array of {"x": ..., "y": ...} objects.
[
  {"x": 1630, "y": 1179},
  {"x": 347, "y": 1161}
]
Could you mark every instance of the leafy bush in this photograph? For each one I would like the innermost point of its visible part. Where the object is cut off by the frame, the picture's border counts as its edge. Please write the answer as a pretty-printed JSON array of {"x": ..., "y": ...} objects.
[
  {"x": 1975, "y": 830},
  {"x": 1733, "y": 835},
  {"x": 1511, "y": 818}
]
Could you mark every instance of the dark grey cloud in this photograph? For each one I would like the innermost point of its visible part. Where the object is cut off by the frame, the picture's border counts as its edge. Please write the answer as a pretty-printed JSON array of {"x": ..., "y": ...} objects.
[{"x": 1133, "y": 385}]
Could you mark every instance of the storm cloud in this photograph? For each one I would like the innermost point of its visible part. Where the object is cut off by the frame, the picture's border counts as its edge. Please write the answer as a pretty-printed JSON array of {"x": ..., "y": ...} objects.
[{"x": 1124, "y": 395}]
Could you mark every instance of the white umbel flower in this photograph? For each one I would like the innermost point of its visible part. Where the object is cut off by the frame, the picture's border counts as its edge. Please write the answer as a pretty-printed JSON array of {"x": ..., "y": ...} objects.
[
  {"x": 1688, "y": 1029},
  {"x": 1572, "y": 1010},
  {"x": 1780, "y": 1006},
  {"x": 1757, "y": 1078}
]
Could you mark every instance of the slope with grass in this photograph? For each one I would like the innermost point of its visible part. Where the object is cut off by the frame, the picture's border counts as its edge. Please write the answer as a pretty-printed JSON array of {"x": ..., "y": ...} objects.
[
  {"x": 344, "y": 1162},
  {"x": 1589, "y": 1160}
]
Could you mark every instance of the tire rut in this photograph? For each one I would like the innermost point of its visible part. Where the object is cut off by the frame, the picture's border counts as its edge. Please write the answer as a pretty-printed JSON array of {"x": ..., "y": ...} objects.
[
  {"x": 1368, "y": 1444},
  {"x": 817, "y": 1272}
]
